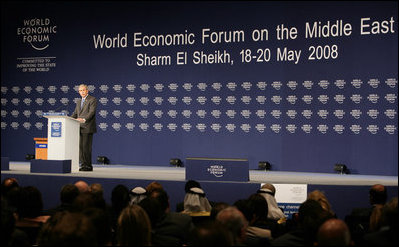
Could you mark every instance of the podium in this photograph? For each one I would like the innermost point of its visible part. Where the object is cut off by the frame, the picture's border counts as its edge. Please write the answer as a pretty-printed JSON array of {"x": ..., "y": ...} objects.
[{"x": 63, "y": 139}]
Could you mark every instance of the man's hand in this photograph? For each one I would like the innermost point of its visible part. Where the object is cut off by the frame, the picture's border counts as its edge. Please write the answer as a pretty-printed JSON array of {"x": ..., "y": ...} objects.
[{"x": 82, "y": 120}]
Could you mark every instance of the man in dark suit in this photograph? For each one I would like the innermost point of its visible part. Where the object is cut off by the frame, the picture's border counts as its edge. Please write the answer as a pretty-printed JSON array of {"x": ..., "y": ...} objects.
[
  {"x": 358, "y": 220},
  {"x": 168, "y": 228},
  {"x": 85, "y": 112}
]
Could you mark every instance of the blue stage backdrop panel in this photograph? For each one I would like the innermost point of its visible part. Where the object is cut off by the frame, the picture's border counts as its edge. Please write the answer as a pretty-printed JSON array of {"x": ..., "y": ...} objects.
[{"x": 301, "y": 85}]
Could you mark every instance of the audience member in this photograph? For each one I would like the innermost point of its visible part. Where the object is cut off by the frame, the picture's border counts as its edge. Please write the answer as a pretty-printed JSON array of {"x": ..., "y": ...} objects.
[
  {"x": 137, "y": 194},
  {"x": 217, "y": 207},
  {"x": 319, "y": 196},
  {"x": 101, "y": 223},
  {"x": 119, "y": 200},
  {"x": 67, "y": 195},
  {"x": 195, "y": 201},
  {"x": 310, "y": 216},
  {"x": 153, "y": 186},
  {"x": 387, "y": 235},
  {"x": 334, "y": 232},
  {"x": 259, "y": 225},
  {"x": 254, "y": 210},
  {"x": 378, "y": 194},
  {"x": 359, "y": 219},
  {"x": 97, "y": 189},
  {"x": 7, "y": 185},
  {"x": 210, "y": 234},
  {"x": 11, "y": 236},
  {"x": 68, "y": 229},
  {"x": 88, "y": 200},
  {"x": 169, "y": 228},
  {"x": 234, "y": 221},
  {"x": 270, "y": 187},
  {"x": 245, "y": 209},
  {"x": 189, "y": 184},
  {"x": 14, "y": 198},
  {"x": 376, "y": 218},
  {"x": 153, "y": 209},
  {"x": 82, "y": 186},
  {"x": 134, "y": 227},
  {"x": 268, "y": 191},
  {"x": 29, "y": 210}
]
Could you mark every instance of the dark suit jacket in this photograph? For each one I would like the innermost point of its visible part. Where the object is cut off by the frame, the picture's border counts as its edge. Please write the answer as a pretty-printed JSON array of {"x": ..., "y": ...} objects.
[
  {"x": 88, "y": 112},
  {"x": 172, "y": 230}
]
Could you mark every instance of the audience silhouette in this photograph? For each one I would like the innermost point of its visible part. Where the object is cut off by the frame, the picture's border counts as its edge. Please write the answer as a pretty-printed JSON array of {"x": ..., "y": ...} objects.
[
  {"x": 359, "y": 219},
  {"x": 142, "y": 217}
]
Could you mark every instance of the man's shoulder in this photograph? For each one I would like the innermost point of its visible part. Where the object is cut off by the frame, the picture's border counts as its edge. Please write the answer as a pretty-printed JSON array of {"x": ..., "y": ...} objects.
[{"x": 90, "y": 97}]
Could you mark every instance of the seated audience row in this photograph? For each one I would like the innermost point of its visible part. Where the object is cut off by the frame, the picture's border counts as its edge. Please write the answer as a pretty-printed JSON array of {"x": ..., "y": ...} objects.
[{"x": 142, "y": 216}]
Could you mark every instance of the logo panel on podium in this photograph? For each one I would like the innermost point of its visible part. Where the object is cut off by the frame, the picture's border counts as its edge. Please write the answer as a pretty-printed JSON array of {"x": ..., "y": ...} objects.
[{"x": 56, "y": 128}]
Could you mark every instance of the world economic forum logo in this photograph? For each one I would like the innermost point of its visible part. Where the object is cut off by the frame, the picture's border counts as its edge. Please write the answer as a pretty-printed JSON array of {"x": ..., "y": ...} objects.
[
  {"x": 202, "y": 86},
  {"x": 246, "y": 85},
  {"x": 324, "y": 84},
  {"x": 172, "y": 127},
  {"x": 307, "y": 84},
  {"x": 277, "y": 85},
  {"x": 103, "y": 126},
  {"x": 340, "y": 84},
  {"x": 130, "y": 126},
  {"x": 172, "y": 100},
  {"x": 292, "y": 85},
  {"x": 262, "y": 85},
  {"x": 37, "y": 32},
  {"x": 216, "y": 127},
  {"x": 159, "y": 87},
  {"x": 216, "y": 170},
  {"x": 173, "y": 87},
  {"x": 216, "y": 86}
]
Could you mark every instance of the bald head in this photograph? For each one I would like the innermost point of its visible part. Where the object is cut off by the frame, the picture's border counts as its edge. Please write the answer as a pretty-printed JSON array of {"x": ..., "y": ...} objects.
[
  {"x": 334, "y": 232},
  {"x": 82, "y": 186},
  {"x": 378, "y": 194},
  {"x": 234, "y": 221},
  {"x": 378, "y": 187}
]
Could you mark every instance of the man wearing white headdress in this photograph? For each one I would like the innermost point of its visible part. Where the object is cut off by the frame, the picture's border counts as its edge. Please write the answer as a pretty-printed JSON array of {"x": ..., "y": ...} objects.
[
  {"x": 137, "y": 194},
  {"x": 274, "y": 213},
  {"x": 195, "y": 201}
]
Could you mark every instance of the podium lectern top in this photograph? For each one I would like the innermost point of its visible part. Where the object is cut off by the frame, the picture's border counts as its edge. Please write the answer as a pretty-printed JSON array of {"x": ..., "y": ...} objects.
[{"x": 54, "y": 114}]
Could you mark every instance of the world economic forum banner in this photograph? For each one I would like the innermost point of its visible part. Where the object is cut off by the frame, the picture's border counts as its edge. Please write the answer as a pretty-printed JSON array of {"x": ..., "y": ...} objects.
[{"x": 302, "y": 85}]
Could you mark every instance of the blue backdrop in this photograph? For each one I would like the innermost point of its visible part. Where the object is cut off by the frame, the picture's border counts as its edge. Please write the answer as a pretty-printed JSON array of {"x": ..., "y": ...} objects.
[{"x": 303, "y": 85}]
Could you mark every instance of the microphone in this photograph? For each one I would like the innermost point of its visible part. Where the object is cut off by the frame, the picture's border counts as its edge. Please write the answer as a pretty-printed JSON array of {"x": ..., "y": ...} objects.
[{"x": 60, "y": 107}]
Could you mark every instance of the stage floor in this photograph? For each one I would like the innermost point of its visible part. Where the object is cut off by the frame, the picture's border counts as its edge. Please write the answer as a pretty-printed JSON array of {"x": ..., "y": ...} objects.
[{"x": 178, "y": 174}]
